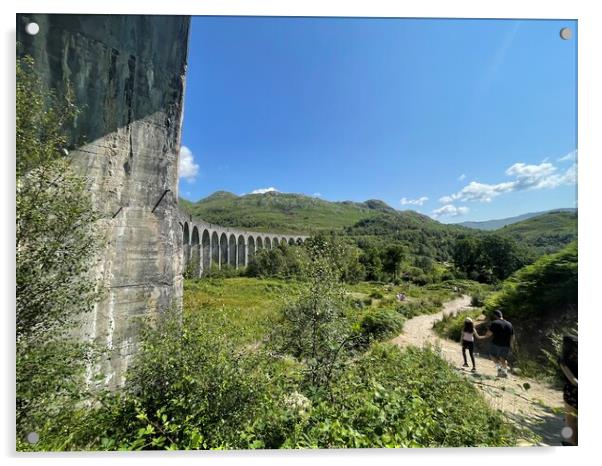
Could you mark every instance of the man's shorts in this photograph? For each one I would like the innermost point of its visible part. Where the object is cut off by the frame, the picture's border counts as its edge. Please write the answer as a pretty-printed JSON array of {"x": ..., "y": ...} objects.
[{"x": 500, "y": 352}]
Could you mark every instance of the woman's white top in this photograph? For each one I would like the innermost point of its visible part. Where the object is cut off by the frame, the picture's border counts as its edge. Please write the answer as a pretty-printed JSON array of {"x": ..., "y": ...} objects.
[{"x": 467, "y": 336}]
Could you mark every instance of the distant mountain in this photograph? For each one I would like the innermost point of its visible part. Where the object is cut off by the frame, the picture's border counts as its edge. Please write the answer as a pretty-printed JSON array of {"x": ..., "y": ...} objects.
[
  {"x": 499, "y": 223},
  {"x": 545, "y": 233}
]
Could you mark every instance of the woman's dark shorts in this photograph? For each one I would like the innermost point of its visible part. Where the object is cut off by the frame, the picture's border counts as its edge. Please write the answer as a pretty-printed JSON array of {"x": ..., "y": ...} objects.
[{"x": 499, "y": 351}]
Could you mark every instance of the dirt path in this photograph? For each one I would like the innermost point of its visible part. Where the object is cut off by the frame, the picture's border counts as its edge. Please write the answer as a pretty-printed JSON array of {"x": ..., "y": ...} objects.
[{"x": 536, "y": 409}]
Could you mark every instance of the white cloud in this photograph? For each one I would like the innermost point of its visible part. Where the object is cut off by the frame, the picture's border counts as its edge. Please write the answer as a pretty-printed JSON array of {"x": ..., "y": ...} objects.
[
  {"x": 317, "y": 194},
  {"x": 419, "y": 201},
  {"x": 462, "y": 177},
  {"x": 571, "y": 156},
  {"x": 188, "y": 169},
  {"x": 542, "y": 176},
  {"x": 450, "y": 210},
  {"x": 271, "y": 189}
]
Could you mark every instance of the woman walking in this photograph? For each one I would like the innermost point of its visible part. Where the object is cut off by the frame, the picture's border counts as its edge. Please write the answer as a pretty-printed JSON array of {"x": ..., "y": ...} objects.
[{"x": 468, "y": 337}]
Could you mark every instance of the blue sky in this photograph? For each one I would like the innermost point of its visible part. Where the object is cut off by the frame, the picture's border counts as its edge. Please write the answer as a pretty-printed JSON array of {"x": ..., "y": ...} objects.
[{"x": 457, "y": 119}]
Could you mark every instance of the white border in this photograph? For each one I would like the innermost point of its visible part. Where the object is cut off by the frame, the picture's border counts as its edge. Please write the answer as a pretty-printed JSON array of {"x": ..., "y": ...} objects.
[{"x": 590, "y": 119}]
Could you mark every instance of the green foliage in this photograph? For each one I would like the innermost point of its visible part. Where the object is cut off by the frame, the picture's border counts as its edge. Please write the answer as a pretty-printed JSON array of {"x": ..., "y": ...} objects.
[
  {"x": 224, "y": 271},
  {"x": 314, "y": 328},
  {"x": 190, "y": 387},
  {"x": 380, "y": 324},
  {"x": 417, "y": 234},
  {"x": 56, "y": 246},
  {"x": 478, "y": 299},
  {"x": 43, "y": 118},
  {"x": 489, "y": 258},
  {"x": 541, "y": 301},
  {"x": 242, "y": 308},
  {"x": 392, "y": 258},
  {"x": 287, "y": 261},
  {"x": 544, "y": 234},
  {"x": 549, "y": 285},
  {"x": 283, "y": 261},
  {"x": 412, "y": 398},
  {"x": 282, "y": 212},
  {"x": 205, "y": 380},
  {"x": 418, "y": 307}
]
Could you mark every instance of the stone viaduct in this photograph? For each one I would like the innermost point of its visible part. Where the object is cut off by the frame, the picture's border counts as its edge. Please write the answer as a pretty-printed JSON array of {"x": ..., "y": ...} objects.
[
  {"x": 128, "y": 74},
  {"x": 207, "y": 246}
]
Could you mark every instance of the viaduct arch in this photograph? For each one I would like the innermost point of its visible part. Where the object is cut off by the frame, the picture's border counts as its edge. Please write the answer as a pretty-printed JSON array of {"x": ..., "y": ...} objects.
[{"x": 207, "y": 246}]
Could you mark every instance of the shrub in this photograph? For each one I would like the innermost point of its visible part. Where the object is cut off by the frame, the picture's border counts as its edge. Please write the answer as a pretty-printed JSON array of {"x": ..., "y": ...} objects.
[
  {"x": 189, "y": 388},
  {"x": 418, "y": 307},
  {"x": 314, "y": 328},
  {"x": 412, "y": 398},
  {"x": 478, "y": 299},
  {"x": 57, "y": 245},
  {"x": 381, "y": 323},
  {"x": 547, "y": 285}
]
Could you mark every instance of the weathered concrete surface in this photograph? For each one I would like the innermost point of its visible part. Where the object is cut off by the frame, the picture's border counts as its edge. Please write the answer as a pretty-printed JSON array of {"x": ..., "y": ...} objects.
[{"x": 128, "y": 74}]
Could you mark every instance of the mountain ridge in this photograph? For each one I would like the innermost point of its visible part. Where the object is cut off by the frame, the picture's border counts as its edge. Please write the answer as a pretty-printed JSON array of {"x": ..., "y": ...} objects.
[{"x": 496, "y": 224}]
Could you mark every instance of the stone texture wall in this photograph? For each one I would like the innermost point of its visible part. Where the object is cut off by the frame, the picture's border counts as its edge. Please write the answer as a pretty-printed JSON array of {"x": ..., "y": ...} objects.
[{"x": 128, "y": 74}]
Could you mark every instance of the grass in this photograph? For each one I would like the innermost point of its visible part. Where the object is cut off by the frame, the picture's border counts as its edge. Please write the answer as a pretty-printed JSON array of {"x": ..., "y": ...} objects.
[
  {"x": 451, "y": 326},
  {"x": 245, "y": 308}
]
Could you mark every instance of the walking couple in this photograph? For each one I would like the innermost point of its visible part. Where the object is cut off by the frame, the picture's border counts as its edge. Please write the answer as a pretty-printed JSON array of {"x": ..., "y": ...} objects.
[{"x": 501, "y": 332}]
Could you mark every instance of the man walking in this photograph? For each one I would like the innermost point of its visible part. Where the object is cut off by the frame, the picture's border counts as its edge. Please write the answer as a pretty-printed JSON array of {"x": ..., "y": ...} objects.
[{"x": 502, "y": 332}]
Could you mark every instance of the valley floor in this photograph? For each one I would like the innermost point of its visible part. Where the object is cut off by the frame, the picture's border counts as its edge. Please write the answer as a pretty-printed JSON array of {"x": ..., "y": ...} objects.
[{"x": 530, "y": 405}]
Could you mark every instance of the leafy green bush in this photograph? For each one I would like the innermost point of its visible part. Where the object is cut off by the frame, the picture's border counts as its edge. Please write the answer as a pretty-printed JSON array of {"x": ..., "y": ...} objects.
[
  {"x": 426, "y": 305},
  {"x": 314, "y": 328},
  {"x": 188, "y": 388},
  {"x": 546, "y": 286},
  {"x": 57, "y": 244},
  {"x": 381, "y": 323},
  {"x": 283, "y": 261},
  {"x": 393, "y": 398},
  {"x": 478, "y": 299}
]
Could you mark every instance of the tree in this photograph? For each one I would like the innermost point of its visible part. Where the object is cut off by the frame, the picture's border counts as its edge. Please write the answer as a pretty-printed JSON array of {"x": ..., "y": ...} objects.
[
  {"x": 392, "y": 258},
  {"x": 314, "y": 328},
  {"x": 370, "y": 259},
  {"x": 489, "y": 258},
  {"x": 466, "y": 254},
  {"x": 56, "y": 246},
  {"x": 503, "y": 256}
]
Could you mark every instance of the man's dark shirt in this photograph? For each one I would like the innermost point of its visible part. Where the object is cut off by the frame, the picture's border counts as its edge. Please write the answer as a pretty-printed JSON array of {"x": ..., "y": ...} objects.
[{"x": 502, "y": 332}]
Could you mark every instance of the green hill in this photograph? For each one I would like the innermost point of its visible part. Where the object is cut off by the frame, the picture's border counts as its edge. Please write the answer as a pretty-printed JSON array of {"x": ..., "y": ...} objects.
[
  {"x": 501, "y": 222},
  {"x": 546, "y": 233},
  {"x": 282, "y": 212},
  {"x": 372, "y": 221}
]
